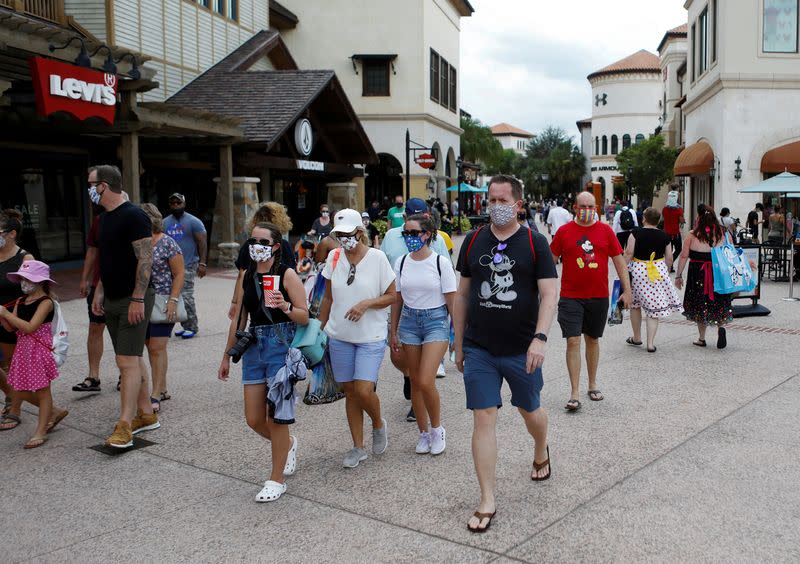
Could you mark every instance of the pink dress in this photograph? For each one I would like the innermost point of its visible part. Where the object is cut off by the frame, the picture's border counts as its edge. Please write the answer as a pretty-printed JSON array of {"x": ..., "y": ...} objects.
[{"x": 33, "y": 366}]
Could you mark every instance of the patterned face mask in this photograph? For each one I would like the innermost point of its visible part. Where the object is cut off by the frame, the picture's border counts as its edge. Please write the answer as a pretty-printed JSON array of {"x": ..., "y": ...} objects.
[
  {"x": 260, "y": 253},
  {"x": 94, "y": 195},
  {"x": 348, "y": 243},
  {"x": 501, "y": 214},
  {"x": 27, "y": 287},
  {"x": 413, "y": 243},
  {"x": 585, "y": 215},
  {"x": 2, "y": 242}
]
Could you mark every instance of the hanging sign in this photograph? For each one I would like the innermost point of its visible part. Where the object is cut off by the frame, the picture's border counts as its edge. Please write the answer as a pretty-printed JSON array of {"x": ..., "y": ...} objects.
[
  {"x": 425, "y": 160},
  {"x": 79, "y": 91}
]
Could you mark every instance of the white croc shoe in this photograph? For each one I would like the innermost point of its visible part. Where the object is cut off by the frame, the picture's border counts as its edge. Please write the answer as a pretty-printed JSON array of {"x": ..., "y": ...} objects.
[
  {"x": 291, "y": 459},
  {"x": 270, "y": 492}
]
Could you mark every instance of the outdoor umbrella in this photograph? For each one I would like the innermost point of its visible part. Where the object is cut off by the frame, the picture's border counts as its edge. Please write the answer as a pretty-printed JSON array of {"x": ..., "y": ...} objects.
[
  {"x": 464, "y": 188},
  {"x": 788, "y": 185}
]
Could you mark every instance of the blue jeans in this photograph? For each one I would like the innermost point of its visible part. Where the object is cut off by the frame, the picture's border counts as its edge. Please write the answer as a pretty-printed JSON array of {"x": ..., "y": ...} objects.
[
  {"x": 267, "y": 354},
  {"x": 421, "y": 326}
]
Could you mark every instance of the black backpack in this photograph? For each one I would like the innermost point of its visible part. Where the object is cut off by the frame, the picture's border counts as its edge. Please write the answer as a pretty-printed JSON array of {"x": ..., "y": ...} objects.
[{"x": 626, "y": 220}]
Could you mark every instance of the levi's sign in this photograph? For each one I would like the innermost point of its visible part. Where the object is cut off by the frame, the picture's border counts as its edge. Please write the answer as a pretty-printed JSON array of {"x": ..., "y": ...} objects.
[{"x": 79, "y": 91}]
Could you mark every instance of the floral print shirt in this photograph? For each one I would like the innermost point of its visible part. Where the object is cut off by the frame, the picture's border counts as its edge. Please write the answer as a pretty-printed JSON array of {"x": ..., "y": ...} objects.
[{"x": 161, "y": 278}]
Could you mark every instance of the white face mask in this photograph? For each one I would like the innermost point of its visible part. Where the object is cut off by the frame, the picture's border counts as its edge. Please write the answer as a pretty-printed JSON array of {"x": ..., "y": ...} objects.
[
  {"x": 348, "y": 243},
  {"x": 27, "y": 286},
  {"x": 325, "y": 214},
  {"x": 502, "y": 214},
  {"x": 260, "y": 253}
]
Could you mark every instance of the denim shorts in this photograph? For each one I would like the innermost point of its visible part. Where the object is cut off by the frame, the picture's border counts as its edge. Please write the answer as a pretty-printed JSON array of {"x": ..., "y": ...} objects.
[
  {"x": 421, "y": 326},
  {"x": 484, "y": 374},
  {"x": 267, "y": 353},
  {"x": 356, "y": 361}
]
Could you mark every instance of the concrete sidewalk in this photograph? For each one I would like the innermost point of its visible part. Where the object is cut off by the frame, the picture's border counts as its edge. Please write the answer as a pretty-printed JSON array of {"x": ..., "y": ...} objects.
[{"x": 692, "y": 456}]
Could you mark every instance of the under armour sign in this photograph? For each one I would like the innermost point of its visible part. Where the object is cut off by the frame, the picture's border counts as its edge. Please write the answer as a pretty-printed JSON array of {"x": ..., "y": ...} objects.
[{"x": 84, "y": 93}]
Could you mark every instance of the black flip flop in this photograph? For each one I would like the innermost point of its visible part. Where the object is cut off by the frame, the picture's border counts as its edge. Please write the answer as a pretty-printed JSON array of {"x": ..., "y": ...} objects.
[
  {"x": 573, "y": 405},
  {"x": 722, "y": 338},
  {"x": 481, "y": 517},
  {"x": 654, "y": 349},
  {"x": 539, "y": 465},
  {"x": 630, "y": 341},
  {"x": 596, "y": 395},
  {"x": 699, "y": 343}
]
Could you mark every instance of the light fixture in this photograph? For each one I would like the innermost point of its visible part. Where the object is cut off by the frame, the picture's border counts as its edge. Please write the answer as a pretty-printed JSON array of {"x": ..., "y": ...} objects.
[
  {"x": 83, "y": 59},
  {"x": 719, "y": 169},
  {"x": 108, "y": 65},
  {"x": 134, "y": 73},
  {"x": 712, "y": 172},
  {"x": 737, "y": 172}
]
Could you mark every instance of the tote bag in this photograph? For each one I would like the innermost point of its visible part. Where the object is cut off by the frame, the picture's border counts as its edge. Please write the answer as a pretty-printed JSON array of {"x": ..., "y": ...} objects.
[{"x": 731, "y": 269}]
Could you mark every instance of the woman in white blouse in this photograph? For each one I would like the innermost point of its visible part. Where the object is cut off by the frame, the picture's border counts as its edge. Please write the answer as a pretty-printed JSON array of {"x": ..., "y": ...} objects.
[{"x": 426, "y": 287}]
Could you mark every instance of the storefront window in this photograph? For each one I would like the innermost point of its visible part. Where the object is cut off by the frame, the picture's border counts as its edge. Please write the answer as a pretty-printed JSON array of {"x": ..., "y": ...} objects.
[{"x": 780, "y": 26}]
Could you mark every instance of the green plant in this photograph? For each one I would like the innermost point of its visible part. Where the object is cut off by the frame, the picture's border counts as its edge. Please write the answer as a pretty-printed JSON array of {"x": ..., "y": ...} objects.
[
  {"x": 381, "y": 226},
  {"x": 651, "y": 165},
  {"x": 466, "y": 224}
]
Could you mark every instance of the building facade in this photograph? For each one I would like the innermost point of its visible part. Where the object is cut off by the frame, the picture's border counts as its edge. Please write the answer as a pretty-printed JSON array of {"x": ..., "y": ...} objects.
[
  {"x": 626, "y": 96},
  {"x": 511, "y": 137},
  {"x": 741, "y": 111},
  {"x": 400, "y": 69}
]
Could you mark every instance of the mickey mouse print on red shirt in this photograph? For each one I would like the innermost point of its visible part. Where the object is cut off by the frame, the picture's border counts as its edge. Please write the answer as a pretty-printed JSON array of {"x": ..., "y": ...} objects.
[{"x": 585, "y": 251}]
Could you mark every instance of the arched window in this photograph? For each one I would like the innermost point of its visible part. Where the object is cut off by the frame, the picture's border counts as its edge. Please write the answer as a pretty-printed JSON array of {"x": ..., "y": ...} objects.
[
  {"x": 596, "y": 145},
  {"x": 605, "y": 145},
  {"x": 614, "y": 145},
  {"x": 639, "y": 138},
  {"x": 626, "y": 141}
]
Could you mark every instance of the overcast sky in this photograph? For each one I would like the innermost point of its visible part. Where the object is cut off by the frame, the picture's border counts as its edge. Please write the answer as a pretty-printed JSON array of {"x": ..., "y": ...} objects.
[{"x": 525, "y": 62}]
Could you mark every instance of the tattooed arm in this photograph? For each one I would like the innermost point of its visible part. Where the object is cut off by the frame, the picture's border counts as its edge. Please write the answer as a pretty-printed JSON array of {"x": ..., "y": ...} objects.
[{"x": 144, "y": 268}]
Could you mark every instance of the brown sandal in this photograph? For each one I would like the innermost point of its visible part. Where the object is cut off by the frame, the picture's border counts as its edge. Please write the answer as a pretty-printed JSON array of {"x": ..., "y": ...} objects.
[
  {"x": 481, "y": 517},
  {"x": 539, "y": 465},
  {"x": 56, "y": 420},
  {"x": 35, "y": 442}
]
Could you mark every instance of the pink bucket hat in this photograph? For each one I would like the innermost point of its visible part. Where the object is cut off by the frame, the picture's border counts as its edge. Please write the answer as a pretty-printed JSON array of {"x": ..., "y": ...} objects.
[{"x": 33, "y": 271}]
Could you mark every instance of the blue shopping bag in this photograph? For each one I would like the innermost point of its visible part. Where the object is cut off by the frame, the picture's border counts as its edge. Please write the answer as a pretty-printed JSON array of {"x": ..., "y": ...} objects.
[{"x": 731, "y": 269}]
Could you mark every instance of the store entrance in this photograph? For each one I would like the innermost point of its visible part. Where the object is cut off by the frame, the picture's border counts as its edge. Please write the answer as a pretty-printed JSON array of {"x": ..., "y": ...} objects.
[
  {"x": 302, "y": 198},
  {"x": 49, "y": 189}
]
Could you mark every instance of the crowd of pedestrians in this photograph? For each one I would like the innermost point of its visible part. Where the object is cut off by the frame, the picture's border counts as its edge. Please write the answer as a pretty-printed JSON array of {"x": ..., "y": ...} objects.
[{"x": 399, "y": 292}]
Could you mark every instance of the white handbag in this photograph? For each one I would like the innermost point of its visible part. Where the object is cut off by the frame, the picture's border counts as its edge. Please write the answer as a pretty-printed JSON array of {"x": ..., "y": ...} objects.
[{"x": 159, "y": 314}]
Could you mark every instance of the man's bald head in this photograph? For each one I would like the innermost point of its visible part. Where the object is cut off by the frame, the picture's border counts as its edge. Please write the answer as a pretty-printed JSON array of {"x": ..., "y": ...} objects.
[{"x": 585, "y": 199}]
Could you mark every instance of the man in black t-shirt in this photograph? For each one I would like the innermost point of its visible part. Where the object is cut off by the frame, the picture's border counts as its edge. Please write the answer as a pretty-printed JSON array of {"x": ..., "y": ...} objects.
[
  {"x": 503, "y": 311},
  {"x": 124, "y": 296},
  {"x": 755, "y": 219}
]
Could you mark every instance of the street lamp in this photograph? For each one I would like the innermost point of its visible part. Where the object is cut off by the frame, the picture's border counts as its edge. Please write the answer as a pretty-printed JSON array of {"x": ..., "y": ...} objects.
[
  {"x": 459, "y": 180},
  {"x": 737, "y": 173},
  {"x": 629, "y": 181}
]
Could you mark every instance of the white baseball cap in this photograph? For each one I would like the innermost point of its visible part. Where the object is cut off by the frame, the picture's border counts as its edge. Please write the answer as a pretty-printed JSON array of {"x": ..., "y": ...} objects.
[{"x": 346, "y": 221}]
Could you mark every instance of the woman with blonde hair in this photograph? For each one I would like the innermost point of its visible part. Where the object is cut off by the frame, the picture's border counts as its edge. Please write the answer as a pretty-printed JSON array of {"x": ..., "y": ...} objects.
[
  {"x": 274, "y": 214},
  {"x": 167, "y": 281}
]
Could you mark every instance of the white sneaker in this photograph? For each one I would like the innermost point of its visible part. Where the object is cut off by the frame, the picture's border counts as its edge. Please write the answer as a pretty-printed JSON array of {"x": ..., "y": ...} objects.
[
  {"x": 440, "y": 373},
  {"x": 424, "y": 443},
  {"x": 438, "y": 442}
]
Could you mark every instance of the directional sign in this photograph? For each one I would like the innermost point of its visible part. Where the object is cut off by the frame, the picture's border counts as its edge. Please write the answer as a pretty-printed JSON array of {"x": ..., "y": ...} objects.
[{"x": 425, "y": 160}]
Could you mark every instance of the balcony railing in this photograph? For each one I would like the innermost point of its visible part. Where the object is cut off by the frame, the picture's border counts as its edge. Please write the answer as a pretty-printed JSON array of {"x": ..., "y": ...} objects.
[{"x": 51, "y": 10}]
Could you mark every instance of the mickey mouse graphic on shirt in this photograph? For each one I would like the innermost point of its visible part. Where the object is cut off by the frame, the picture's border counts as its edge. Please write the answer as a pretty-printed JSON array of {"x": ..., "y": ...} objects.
[
  {"x": 501, "y": 280},
  {"x": 588, "y": 258}
]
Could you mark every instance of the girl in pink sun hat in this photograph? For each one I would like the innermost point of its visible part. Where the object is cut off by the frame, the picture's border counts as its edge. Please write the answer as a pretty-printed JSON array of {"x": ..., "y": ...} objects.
[{"x": 33, "y": 367}]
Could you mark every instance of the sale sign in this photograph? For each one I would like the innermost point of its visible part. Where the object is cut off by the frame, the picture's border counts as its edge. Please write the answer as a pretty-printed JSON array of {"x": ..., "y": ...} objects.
[{"x": 79, "y": 91}]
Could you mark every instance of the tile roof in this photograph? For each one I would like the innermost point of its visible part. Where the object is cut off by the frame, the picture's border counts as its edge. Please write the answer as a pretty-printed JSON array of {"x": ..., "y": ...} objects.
[
  {"x": 507, "y": 129},
  {"x": 641, "y": 61},
  {"x": 267, "y": 102},
  {"x": 680, "y": 31}
]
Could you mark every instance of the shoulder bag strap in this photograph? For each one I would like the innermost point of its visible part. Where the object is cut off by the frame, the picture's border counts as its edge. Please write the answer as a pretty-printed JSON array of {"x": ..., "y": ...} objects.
[{"x": 471, "y": 241}]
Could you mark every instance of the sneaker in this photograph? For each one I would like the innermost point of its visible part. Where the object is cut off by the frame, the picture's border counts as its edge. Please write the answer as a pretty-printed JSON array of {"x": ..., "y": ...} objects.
[
  {"x": 407, "y": 388},
  {"x": 121, "y": 437},
  {"x": 145, "y": 422},
  {"x": 411, "y": 417},
  {"x": 440, "y": 373},
  {"x": 180, "y": 333},
  {"x": 187, "y": 334},
  {"x": 353, "y": 457},
  {"x": 380, "y": 439},
  {"x": 291, "y": 459},
  {"x": 438, "y": 442},
  {"x": 424, "y": 443}
]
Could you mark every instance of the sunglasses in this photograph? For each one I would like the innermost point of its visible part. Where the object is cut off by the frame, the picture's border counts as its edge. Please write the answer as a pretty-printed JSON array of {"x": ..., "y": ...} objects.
[
  {"x": 265, "y": 242},
  {"x": 351, "y": 275},
  {"x": 498, "y": 258},
  {"x": 412, "y": 232}
]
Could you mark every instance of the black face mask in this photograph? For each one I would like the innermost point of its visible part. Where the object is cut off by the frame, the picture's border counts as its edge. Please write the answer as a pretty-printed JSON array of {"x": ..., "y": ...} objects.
[
  {"x": 398, "y": 204},
  {"x": 178, "y": 212}
]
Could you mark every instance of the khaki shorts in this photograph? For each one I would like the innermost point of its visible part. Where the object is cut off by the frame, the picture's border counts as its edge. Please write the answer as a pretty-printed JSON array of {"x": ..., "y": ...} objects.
[{"x": 128, "y": 340}]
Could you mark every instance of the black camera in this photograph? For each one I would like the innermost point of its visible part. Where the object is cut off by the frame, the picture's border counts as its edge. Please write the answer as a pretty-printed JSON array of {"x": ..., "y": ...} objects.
[{"x": 243, "y": 340}]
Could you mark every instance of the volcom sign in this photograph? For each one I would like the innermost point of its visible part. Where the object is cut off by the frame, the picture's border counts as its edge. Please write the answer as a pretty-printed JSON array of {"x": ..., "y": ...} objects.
[
  {"x": 81, "y": 92},
  {"x": 304, "y": 137}
]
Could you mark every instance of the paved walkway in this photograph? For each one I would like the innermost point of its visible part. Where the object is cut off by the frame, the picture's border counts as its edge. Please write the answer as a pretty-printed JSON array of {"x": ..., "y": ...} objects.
[{"x": 692, "y": 456}]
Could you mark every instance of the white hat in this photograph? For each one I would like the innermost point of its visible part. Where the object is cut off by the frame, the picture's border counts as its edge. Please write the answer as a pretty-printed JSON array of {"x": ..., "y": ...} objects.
[{"x": 346, "y": 221}]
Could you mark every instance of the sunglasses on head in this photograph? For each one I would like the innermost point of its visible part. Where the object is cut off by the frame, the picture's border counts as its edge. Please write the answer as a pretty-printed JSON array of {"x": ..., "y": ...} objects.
[
  {"x": 498, "y": 258},
  {"x": 265, "y": 242},
  {"x": 412, "y": 232}
]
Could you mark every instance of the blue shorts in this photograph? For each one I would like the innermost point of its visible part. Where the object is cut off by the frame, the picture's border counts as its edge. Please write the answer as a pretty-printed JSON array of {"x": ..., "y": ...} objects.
[
  {"x": 356, "y": 361},
  {"x": 157, "y": 330},
  {"x": 267, "y": 354},
  {"x": 484, "y": 374},
  {"x": 421, "y": 326}
]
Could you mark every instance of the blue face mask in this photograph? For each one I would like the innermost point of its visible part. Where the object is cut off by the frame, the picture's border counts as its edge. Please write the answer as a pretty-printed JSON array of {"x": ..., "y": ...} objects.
[{"x": 413, "y": 244}]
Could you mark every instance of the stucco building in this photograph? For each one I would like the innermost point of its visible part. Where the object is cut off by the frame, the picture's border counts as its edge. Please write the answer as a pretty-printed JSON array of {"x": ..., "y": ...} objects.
[{"x": 511, "y": 137}]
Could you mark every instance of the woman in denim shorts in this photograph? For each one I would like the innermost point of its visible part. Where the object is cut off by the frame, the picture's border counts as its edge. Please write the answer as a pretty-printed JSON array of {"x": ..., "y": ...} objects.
[
  {"x": 274, "y": 316},
  {"x": 359, "y": 288},
  {"x": 426, "y": 287}
]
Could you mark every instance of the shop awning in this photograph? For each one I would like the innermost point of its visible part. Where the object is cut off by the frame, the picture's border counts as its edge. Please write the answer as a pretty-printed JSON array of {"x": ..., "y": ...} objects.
[
  {"x": 694, "y": 159},
  {"x": 783, "y": 158}
]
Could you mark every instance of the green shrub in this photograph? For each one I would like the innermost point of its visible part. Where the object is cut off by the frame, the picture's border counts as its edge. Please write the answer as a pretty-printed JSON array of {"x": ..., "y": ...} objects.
[
  {"x": 466, "y": 225},
  {"x": 381, "y": 226}
]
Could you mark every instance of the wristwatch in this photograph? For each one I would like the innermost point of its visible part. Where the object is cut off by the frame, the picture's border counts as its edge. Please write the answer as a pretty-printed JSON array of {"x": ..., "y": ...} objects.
[
  {"x": 289, "y": 309},
  {"x": 541, "y": 336}
]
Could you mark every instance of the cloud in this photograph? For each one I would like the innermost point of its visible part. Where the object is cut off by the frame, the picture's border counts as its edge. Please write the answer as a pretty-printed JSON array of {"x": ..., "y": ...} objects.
[{"x": 525, "y": 62}]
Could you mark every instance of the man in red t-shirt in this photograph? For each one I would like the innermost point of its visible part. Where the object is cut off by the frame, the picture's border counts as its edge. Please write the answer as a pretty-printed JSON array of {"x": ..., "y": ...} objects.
[
  {"x": 673, "y": 221},
  {"x": 585, "y": 245}
]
